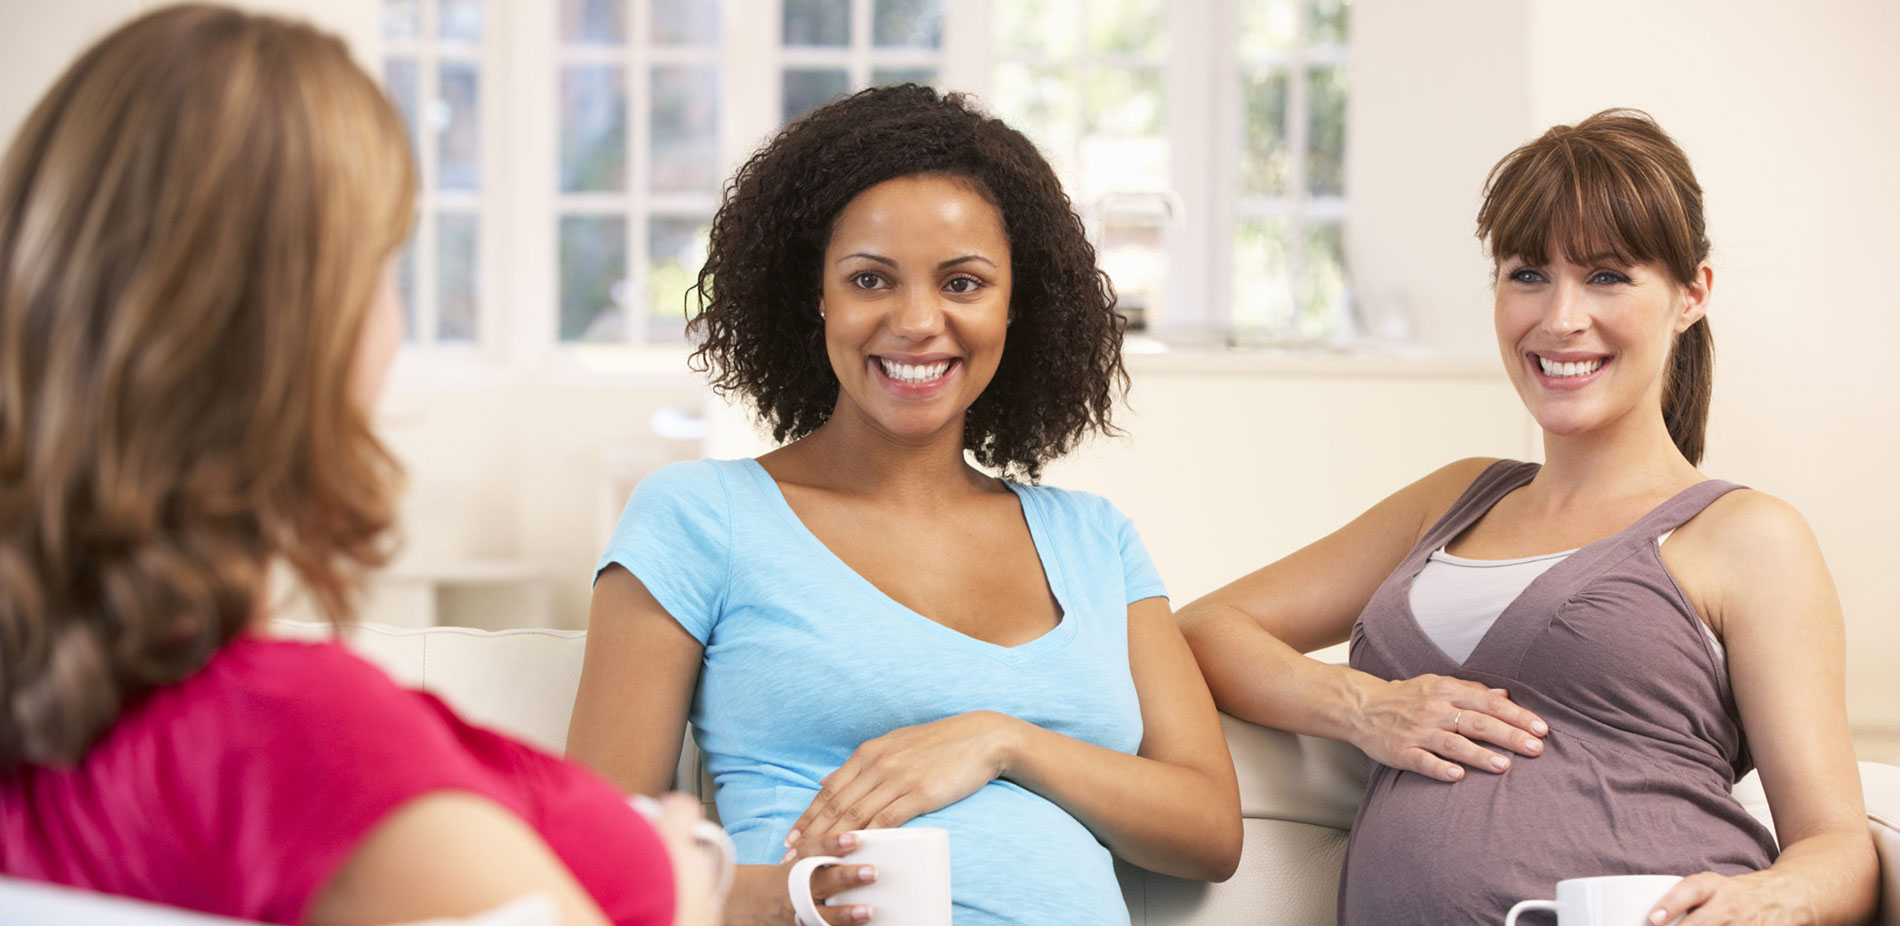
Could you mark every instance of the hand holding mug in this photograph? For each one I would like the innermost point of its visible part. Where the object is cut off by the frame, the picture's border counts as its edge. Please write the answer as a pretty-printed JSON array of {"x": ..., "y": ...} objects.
[
  {"x": 1709, "y": 899},
  {"x": 841, "y": 869},
  {"x": 1432, "y": 723},
  {"x": 701, "y": 853},
  {"x": 1615, "y": 900},
  {"x": 912, "y": 887}
]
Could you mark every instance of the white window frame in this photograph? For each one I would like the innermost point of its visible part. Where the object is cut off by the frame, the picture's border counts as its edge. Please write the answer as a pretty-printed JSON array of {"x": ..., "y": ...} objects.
[
  {"x": 520, "y": 204},
  {"x": 429, "y": 52},
  {"x": 1299, "y": 206}
]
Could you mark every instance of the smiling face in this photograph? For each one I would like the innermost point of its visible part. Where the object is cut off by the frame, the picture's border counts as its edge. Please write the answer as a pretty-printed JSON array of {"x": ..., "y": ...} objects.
[
  {"x": 1587, "y": 344},
  {"x": 916, "y": 302}
]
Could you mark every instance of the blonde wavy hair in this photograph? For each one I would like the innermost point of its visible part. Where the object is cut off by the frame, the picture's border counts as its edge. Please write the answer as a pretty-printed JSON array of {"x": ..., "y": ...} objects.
[{"x": 194, "y": 221}]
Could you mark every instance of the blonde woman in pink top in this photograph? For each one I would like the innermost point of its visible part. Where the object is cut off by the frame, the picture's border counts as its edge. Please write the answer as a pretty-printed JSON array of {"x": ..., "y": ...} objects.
[{"x": 198, "y": 226}]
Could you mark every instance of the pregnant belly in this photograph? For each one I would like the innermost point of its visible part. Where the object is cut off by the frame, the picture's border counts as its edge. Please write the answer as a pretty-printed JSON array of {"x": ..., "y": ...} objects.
[{"x": 1429, "y": 852}]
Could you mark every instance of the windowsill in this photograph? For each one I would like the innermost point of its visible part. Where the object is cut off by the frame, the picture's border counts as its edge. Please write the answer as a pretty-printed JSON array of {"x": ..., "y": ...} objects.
[
  {"x": 593, "y": 365},
  {"x": 1307, "y": 361}
]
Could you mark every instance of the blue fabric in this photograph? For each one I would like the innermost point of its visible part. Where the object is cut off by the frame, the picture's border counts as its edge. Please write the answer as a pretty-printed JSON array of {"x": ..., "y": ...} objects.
[{"x": 805, "y": 660}]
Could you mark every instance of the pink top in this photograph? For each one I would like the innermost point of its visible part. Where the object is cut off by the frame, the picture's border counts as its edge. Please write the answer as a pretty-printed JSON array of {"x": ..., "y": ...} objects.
[{"x": 241, "y": 791}]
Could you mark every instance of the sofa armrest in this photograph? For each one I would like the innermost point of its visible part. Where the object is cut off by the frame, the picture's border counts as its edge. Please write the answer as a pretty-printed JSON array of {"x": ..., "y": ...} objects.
[
  {"x": 1880, "y": 787},
  {"x": 1293, "y": 777}
]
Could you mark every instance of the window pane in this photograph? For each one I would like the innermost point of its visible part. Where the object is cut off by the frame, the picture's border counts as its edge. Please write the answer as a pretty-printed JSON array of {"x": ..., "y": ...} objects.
[
  {"x": 1326, "y": 21},
  {"x": 676, "y": 247},
  {"x": 907, "y": 23},
  {"x": 593, "y": 278},
  {"x": 594, "y": 22},
  {"x": 685, "y": 22},
  {"x": 1125, "y": 101},
  {"x": 1134, "y": 253},
  {"x": 1128, "y": 27},
  {"x": 685, "y": 135},
  {"x": 458, "y": 138},
  {"x": 1266, "y": 26},
  {"x": 1040, "y": 30},
  {"x": 1125, "y": 147},
  {"x": 1326, "y": 131},
  {"x": 593, "y": 129},
  {"x": 1322, "y": 287},
  {"x": 399, "y": 80},
  {"x": 818, "y": 22},
  {"x": 1263, "y": 291},
  {"x": 1043, "y": 102},
  {"x": 402, "y": 20},
  {"x": 885, "y": 77},
  {"x": 457, "y": 239},
  {"x": 1263, "y": 154},
  {"x": 806, "y": 90},
  {"x": 460, "y": 20}
]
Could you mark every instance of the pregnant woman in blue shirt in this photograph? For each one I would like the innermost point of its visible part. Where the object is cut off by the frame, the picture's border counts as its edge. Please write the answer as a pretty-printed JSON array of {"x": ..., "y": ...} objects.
[{"x": 866, "y": 630}]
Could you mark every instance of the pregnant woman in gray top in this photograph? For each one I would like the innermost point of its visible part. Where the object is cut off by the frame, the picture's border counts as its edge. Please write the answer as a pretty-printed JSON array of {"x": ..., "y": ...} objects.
[{"x": 1561, "y": 669}]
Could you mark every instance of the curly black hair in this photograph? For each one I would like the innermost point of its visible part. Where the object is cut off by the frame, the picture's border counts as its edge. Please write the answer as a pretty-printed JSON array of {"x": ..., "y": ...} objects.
[{"x": 760, "y": 334}]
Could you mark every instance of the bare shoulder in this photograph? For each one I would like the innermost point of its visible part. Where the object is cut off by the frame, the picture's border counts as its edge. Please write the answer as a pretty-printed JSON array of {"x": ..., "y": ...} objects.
[
  {"x": 1431, "y": 496},
  {"x": 1451, "y": 480},
  {"x": 1750, "y": 560},
  {"x": 1748, "y": 529}
]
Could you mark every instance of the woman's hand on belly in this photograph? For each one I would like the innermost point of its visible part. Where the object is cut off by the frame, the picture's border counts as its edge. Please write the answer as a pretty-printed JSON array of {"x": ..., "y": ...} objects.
[
  {"x": 905, "y": 773},
  {"x": 1432, "y": 723}
]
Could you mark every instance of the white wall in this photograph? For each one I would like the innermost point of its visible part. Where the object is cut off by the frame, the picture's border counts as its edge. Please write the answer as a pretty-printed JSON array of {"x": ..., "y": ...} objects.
[{"x": 1437, "y": 96}]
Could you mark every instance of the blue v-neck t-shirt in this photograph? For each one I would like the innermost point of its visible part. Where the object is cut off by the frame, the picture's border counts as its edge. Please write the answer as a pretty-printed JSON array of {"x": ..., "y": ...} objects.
[{"x": 805, "y": 660}]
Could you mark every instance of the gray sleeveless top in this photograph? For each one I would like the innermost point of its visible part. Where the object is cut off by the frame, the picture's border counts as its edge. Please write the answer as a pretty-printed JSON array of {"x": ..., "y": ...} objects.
[{"x": 1644, "y": 739}]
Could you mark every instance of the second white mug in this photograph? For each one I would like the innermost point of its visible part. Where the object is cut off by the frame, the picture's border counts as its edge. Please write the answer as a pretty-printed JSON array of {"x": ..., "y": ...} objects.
[
  {"x": 1612, "y": 900},
  {"x": 913, "y": 878}
]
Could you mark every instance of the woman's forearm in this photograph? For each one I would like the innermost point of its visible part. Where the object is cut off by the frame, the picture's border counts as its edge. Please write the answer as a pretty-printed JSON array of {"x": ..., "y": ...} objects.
[
  {"x": 758, "y": 897},
  {"x": 1261, "y": 680},
  {"x": 1165, "y": 817},
  {"x": 1829, "y": 879}
]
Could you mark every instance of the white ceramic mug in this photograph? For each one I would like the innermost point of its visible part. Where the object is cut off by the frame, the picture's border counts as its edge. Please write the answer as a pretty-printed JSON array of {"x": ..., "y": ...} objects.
[
  {"x": 707, "y": 835},
  {"x": 913, "y": 878},
  {"x": 1613, "y": 900}
]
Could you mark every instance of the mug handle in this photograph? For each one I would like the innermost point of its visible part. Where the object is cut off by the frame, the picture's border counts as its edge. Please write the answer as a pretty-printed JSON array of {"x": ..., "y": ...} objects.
[
  {"x": 707, "y": 835},
  {"x": 712, "y": 837},
  {"x": 798, "y": 884},
  {"x": 1510, "y": 919}
]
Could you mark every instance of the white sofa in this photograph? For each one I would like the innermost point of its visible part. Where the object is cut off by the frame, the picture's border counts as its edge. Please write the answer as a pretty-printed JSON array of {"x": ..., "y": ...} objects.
[{"x": 1298, "y": 794}]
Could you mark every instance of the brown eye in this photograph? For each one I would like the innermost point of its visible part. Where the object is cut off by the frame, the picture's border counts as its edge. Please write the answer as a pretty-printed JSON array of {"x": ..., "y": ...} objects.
[
  {"x": 963, "y": 286},
  {"x": 866, "y": 280}
]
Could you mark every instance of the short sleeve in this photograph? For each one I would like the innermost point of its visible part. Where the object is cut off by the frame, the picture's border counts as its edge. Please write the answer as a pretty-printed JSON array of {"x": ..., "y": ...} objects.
[
  {"x": 1139, "y": 577},
  {"x": 314, "y": 748},
  {"x": 675, "y": 536}
]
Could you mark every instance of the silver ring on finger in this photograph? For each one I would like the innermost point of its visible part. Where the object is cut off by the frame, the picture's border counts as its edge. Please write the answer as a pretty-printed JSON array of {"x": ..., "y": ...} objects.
[{"x": 1454, "y": 721}]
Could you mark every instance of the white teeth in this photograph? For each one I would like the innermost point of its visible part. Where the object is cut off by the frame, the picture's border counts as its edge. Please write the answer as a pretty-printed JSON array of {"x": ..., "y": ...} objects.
[
  {"x": 1557, "y": 369},
  {"x": 914, "y": 373}
]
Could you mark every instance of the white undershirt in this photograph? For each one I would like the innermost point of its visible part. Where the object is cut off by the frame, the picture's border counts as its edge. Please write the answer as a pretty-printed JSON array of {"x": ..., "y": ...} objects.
[{"x": 1456, "y": 600}]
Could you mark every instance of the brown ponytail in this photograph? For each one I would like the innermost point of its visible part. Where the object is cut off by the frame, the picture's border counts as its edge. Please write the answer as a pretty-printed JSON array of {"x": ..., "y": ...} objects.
[{"x": 1686, "y": 392}]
